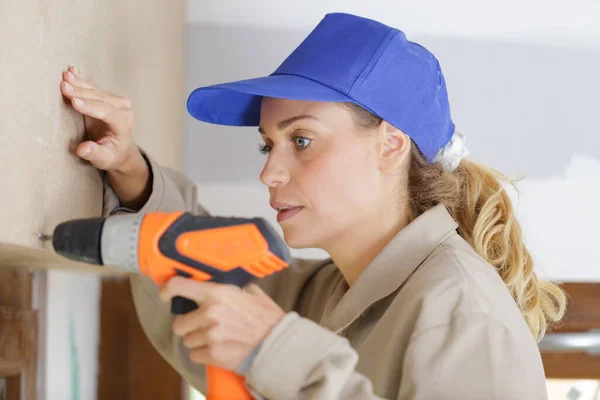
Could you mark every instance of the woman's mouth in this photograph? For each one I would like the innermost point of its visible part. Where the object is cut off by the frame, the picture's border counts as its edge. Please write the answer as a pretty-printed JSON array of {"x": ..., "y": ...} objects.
[
  {"x": 288, "y": 213},
  {"x": 284, "y": 210}
]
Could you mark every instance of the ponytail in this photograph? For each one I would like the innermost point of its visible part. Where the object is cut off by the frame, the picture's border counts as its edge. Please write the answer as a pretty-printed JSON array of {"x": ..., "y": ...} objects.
[{"x": 475, "y": 197}]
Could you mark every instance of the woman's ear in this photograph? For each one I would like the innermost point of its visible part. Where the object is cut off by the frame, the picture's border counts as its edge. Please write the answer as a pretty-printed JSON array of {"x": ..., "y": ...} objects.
[{"x": 394, "y": 146}]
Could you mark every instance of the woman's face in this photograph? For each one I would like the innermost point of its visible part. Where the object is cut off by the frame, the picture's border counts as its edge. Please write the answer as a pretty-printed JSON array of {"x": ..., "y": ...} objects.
[{"x": 323, "y": 166}]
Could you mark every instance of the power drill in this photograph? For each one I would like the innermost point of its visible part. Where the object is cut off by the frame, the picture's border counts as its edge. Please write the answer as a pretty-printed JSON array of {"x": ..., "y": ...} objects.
[{"x": 162, "y": 245}]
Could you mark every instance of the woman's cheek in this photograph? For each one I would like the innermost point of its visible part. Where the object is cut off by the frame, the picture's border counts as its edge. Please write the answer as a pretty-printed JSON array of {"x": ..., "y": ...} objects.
[{"x": 327, "y": 183}]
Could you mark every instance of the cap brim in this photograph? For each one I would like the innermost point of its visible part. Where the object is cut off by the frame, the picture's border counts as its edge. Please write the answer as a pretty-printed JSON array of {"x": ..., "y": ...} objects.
[{"x": 238, "y": 103}]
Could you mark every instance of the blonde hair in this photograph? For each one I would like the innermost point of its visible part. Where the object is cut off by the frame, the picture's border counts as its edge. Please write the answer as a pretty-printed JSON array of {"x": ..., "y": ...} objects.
[{"x": 476, "y": 198}]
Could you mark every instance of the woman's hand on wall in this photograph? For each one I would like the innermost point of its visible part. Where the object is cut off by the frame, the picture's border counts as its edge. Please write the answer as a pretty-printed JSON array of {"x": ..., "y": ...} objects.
[
  {"x": 108, "y": 123},
  {"x": 229, "y": 323}
]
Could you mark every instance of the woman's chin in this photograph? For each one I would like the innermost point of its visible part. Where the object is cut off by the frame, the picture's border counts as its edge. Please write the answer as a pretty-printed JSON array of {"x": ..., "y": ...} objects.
[
  {"x": 295, "y": 244},
  {"x": 295, "y": 241}
]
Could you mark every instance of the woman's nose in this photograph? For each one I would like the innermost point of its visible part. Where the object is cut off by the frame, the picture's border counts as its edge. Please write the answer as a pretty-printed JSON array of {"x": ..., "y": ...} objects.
[{"x": 274, "y": 173}]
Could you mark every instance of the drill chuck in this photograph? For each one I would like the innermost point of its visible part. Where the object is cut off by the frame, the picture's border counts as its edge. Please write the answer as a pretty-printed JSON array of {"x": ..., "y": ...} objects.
[{"x": 79, "y": 240}]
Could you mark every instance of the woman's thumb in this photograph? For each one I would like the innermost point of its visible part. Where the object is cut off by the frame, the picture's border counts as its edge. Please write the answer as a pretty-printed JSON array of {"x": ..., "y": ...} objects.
[
  {"x": 96, "y": 154},
  {"x": 85, "y": 149}
]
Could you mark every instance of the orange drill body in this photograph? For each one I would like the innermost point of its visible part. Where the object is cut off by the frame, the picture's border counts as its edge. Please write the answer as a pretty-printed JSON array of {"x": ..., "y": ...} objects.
[
  {"x": 223, "y": 248},
  {"x": 163, "y": 245},
  {"x": 229, "y": 248}
]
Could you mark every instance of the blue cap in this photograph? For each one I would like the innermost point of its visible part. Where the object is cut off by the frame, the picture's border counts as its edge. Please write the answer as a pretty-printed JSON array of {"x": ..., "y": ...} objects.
[{"x": 346, "y": 58}]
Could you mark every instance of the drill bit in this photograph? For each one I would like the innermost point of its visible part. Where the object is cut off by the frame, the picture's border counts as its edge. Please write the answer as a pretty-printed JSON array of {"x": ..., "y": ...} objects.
[{"x": 44, "y": 237}]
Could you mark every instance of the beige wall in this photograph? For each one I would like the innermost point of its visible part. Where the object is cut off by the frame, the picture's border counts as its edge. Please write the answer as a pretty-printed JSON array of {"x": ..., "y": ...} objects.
[
  {"x": 134, "y": 48},
  {"x": 128, "y": 47}
]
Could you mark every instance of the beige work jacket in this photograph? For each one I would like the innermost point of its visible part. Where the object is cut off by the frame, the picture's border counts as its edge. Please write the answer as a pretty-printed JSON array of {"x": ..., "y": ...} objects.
[{"x": 427, "y": 319}]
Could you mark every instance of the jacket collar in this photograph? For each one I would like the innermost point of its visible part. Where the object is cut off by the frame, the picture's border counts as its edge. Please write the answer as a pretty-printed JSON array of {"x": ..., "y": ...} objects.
[{"x": 393, "y": 265}]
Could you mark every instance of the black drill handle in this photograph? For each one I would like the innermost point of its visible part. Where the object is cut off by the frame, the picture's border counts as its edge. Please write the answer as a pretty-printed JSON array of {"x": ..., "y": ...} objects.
[{"x": 181, "y": 305}]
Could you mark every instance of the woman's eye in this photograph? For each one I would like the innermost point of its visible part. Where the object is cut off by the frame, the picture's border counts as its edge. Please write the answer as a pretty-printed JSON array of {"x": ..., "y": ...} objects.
[
  {"x": 264, "y": 149},
  {"x": 301, "y": 142}
]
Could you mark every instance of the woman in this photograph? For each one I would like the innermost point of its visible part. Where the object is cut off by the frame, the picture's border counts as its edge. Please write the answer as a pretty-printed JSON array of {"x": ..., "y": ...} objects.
[{"x": 429, "y": 292}]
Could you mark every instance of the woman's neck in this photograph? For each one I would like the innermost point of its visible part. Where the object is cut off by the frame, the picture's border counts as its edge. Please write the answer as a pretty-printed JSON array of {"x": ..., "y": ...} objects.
[{"x": 353, "y": 251}]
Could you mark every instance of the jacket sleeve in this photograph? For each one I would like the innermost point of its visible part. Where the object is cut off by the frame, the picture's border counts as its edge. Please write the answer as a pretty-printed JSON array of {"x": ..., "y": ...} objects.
[
  {"x": 172, "y": 191},
  {"x": 300, "y": 359}
]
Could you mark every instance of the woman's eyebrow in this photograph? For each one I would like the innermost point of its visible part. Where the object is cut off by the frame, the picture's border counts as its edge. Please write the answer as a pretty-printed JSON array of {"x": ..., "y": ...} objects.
[{"x": 287, "y": 122}]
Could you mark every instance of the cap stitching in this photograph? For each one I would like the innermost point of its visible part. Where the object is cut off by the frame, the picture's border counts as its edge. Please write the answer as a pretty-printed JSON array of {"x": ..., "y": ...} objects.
[
  {"x": 409, "y": 106},
  {"x": 374, "y": 58}
]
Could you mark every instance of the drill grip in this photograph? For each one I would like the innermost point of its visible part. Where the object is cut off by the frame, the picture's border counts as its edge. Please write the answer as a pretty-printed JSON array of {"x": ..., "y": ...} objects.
[
  {"x": 230, "y": 251},
  {"x": 225, "y": 385},
  {"x": 181, "y": 305}
]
